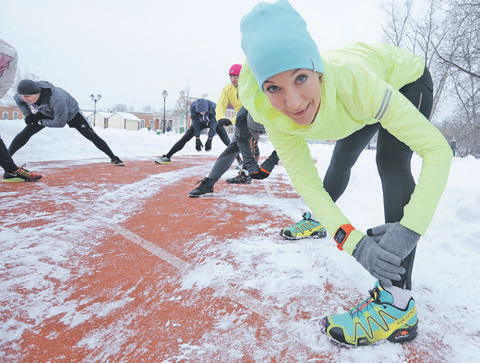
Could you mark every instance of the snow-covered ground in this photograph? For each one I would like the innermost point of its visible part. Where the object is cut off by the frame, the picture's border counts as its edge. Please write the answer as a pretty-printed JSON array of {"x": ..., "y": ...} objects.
[{"x": 447, "y": 269}]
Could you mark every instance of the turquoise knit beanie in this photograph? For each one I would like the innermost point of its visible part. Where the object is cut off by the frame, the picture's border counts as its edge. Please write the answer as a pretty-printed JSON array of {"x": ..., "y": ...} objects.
[{"x": 275, "y": 39}]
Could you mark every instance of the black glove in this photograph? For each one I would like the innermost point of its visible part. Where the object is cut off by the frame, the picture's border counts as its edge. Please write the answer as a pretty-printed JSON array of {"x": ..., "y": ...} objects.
[
  {"x": 266, "y": 168},
  {"x": 198, "y": 144},
  {"x": 35, "y": 119},
  {"x": 208, "y": 144},
  {"x": 224, "y": 122},
  {"x": 260, "y": 174},
  {"x": 31, "y": 120},
  {"x": 269, "y": 164}
]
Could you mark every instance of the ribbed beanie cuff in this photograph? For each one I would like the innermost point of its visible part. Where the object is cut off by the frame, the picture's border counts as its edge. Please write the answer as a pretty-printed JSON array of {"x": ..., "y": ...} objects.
[{"x": 275, "y": 39}]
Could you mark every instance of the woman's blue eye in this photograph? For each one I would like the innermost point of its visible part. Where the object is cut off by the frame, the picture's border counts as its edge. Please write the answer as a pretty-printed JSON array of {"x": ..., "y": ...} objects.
[
  {"x": 302, "y": 78},
  {"x": 272, "y": 89}
]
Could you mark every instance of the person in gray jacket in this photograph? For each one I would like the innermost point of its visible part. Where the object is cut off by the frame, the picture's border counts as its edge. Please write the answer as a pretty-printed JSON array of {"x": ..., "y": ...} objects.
[
  {"x": 44, "y": 105},
  {"x": 246, "y": 132}
]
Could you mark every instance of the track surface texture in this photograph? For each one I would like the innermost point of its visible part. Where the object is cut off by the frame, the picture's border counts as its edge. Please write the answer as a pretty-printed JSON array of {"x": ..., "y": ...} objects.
[{"x": 117, "y": 264}]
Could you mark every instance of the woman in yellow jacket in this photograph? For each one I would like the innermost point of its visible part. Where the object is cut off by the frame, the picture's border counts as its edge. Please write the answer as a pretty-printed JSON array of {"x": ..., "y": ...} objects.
[
  {"x": 347, "y": 95},
  {"x": 229, "y": 96}
]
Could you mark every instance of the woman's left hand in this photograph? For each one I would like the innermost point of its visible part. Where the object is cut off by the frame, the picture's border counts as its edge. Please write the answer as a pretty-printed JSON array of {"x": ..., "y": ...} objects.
[{"x": 395, "y": 238}]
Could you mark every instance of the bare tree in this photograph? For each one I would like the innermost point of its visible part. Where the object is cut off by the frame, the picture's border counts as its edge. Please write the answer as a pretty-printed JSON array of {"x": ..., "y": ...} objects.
[
  {"x": 420, "y": 32},
  {"x": 446, "y": 33},
  {"x": 463, "y": 36},
  {"x": 399, "y": 18},
  {"x": 120, "y": 108},
  {"x": 461, "y": 51}
]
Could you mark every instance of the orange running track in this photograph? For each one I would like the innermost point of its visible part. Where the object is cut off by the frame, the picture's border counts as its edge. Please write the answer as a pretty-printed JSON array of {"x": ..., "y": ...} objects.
[{"x": 117, "y": 264}]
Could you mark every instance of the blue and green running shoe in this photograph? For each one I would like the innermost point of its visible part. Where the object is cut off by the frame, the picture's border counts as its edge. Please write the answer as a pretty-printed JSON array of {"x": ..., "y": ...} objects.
[
  {"x": 306, "y": 228},
  {"x": 372, "y": 320}
]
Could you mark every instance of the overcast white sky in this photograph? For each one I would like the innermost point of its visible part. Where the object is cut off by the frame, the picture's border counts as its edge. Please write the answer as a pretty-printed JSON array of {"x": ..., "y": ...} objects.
[{"x": 129, "y": 51}]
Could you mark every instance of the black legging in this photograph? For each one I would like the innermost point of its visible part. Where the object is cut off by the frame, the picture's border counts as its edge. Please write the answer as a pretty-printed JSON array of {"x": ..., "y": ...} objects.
[
  {"x": 78, "y": 122},
  {"x": 222, "y": 133},
  {"x": 180, "y": 144},
  {"x": 393, "y": 163},
  {"x": 6, "y": 161}
]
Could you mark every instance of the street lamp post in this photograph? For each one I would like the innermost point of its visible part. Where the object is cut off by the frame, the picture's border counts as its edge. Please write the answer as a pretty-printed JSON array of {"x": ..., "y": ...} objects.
[
  {"x": 95, "y": 99},
  {"x": 164, "y": 94}
]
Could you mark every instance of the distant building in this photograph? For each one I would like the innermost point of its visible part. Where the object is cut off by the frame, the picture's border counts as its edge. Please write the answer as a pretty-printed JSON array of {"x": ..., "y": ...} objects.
[
  {"x": 101, "y": 118},
  {"x": 150, "y": 119},
  {"x": 230, "y": 111},
  {"x": 124, "y": 120},
  {"x": 10, "y": 113}
]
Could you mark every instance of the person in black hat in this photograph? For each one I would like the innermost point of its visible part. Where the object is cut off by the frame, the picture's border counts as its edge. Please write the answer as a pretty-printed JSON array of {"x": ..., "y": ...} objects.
[
  {"x": 44, "y": 105},
  {"x": 8, "y": 67},
  {"x": 202, "y": 112}
]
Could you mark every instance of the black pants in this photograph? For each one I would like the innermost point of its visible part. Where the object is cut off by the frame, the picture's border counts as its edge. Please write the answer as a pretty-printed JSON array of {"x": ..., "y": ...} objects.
[
  {"x": 243, "y": 141},
  {"x": 393, "y": 163},
  {"x": 78, "y": 122},
  {"x": 6, "y": 161},
  {"x": 180, "y": 144}
]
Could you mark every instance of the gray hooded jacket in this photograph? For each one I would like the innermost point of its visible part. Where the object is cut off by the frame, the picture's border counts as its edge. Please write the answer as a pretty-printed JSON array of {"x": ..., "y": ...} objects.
[{"x": 58, "y": 105}]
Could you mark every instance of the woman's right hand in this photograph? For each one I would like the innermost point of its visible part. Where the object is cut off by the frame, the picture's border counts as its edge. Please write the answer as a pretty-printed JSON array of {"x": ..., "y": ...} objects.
[{"x": 383, "y": 265}]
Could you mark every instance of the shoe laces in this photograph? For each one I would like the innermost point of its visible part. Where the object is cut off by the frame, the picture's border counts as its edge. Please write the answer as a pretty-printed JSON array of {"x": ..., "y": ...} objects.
[
  {"x": 200, "y": 182},
  {"x": 23, "y": 172},
  {"x": 241, "y": 176},
  {"x": 304, "y": 222},
  {"x": 373, "y": 298}
]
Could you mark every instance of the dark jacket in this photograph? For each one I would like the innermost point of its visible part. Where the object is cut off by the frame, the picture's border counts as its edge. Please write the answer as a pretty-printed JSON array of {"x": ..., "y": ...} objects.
[
  {"x": 55, "y": 103},
  {"x": 200, "y": 122}
]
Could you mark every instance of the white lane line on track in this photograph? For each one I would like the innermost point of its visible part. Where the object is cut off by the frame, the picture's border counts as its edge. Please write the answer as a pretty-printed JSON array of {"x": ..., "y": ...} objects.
[
  {"x": 266, "y": 184},
  {"x": 225, "y": 290},
  {"x": 176, "y": 262}
]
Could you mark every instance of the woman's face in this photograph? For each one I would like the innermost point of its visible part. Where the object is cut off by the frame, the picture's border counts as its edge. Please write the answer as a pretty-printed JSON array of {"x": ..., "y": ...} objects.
[
  {"x": 234, "y": 80},
  {"x": 296, "y": 93}
]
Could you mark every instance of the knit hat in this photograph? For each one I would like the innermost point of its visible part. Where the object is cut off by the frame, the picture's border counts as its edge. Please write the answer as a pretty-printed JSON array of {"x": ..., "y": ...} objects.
[
  {"x": 201, "y": 105},
  {"x": 275, "y": 39},
  {"x": 235, "y": 70},
  {"x": 28, "y": 87}
]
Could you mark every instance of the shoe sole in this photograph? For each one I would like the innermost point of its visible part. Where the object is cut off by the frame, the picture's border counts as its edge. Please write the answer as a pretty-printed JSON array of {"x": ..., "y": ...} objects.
[
  {"x": 200, "y": 195},
  {"x": 122, "y": 164},
  {"x": 398, "y": 336},
  {"x": 404, "y": 335},
  {"x": 313, "y": 235},
  {"x": 235, "y": 182},
  {"x": 19, "y": 180},
  {"x": 162, "y": 162}
]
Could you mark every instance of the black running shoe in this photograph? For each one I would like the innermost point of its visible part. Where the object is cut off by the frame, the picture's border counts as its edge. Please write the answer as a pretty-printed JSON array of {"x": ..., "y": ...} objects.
[
  {"x": 205, "y": 187},
  {"x": 21, "y": 175},
  {"x": 116, "y": 161},
  {"x": 241, "y": 178},
  {"x": 163, "y": 160}
]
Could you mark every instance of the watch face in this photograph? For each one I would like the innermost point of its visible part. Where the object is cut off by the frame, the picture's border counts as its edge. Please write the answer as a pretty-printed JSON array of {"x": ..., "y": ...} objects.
[{"x": 340, "y": 235}]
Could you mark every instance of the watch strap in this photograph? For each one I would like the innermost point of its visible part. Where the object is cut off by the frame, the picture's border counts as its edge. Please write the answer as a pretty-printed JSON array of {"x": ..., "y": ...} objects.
[{"x": 341, "y": 235}]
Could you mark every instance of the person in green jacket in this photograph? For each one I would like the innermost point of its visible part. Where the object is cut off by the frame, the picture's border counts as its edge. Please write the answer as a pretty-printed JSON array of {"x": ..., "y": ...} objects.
[{"x": 347, "y": 95}]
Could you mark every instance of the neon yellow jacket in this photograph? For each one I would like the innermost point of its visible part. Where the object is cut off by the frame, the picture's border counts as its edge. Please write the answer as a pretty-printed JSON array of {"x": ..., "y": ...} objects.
[
  {"x": 229, "y": 95},
  {"x": 360, "y": 87}
]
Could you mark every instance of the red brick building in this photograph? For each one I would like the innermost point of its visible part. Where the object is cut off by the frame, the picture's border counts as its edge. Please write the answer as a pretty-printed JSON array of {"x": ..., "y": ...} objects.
[{"x": 10, "y": 113}]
